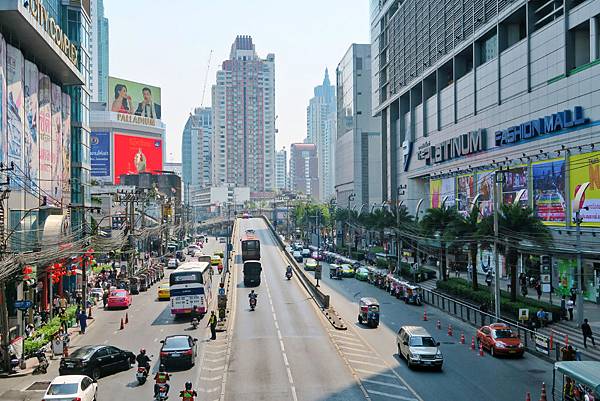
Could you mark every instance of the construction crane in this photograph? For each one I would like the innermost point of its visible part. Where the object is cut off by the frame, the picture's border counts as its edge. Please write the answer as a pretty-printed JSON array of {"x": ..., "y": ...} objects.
[{"x": 206, "y": 78}]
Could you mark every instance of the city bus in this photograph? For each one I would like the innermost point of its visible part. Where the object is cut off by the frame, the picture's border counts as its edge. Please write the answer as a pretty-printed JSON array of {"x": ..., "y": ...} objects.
[
  {"x": 250, "y": 248},
  {"x": 190, "y": 285}
]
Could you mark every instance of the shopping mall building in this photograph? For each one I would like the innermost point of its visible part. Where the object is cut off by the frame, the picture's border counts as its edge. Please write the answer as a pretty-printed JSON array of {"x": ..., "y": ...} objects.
[{"x": 471, "y": 87}]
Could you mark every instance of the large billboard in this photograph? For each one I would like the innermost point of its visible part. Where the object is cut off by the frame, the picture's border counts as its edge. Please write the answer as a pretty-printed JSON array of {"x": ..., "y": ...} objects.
[
  {"x": 134, "y": 98},
  {"x": 435, "y": 192},
  {"x": 549, "y": 195},
  {"x": 16, "y": 111},
  {"x": 586, "y": 168},
  {"x": 100, "y": 154},
  {"x": 45, "y": 136},
  {"x": 135, "y": 154},
  {"x": 449, "y": 191},
  {"x": 485, "y": 187},
  {"x": 66, "y": 148},
  {"x": 3, "y": 142},
  {"x": 56, "y": 96},
  {"x": 515, "y": 180},
  {"x": 466, "y": 192},
  {"x": 30, "y": 144}
]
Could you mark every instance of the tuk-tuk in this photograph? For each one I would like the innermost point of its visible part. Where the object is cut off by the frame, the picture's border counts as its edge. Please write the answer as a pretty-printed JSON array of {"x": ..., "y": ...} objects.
[
  {"x": 144, "y": 284},
  {"x": 335, "y": 271},
  {"x": 134, "y": 285},
  {"x": 573, "y": 380},
  {"x": 412, "y": 294},
  {"x": 220, "y": 253},
  {"x": 368, "y": 312}
]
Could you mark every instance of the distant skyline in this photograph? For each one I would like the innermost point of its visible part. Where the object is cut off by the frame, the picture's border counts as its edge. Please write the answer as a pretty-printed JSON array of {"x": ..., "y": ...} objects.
[{"x": 169, "y": 46}]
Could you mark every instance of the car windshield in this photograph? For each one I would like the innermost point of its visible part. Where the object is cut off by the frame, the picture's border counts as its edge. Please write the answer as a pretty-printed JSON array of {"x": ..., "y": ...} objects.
[
  {"x": 503, "y": 333},
  {"x": 176, "y": 343},
  {"x": 63, "y": 389},
  {"x": 117, "y": 294},
  {"x": 422, "y": 342},
  {"x": 83, "y": 352}
]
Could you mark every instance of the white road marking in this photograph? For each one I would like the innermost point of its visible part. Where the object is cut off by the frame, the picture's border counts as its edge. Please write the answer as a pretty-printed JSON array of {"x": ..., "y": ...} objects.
[
  {"x": 364, "y": 363},
  {"x": 210, "y": 379},
  {"x": 380, "y": 383},
  {"x": 345, "y": 347},
  {"x": 370, "y": 372},
  {"x": 209, "y": 390},
  {"x": 388, "y": 395},
  {"x": 361, "y": 355},
  {"x": 215, "y": 360}
]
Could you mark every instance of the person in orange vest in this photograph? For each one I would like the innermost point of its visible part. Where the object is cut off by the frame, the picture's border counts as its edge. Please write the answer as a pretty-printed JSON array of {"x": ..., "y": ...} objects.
[
  {"x": 161, "y": 377},
  {"x": 188, "y": 394}
]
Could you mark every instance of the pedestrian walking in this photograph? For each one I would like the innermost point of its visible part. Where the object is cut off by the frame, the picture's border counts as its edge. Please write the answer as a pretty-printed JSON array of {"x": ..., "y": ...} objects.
[
  {"x": 62, "y": 303},
  {"x": 570, "y": 306},
  {"x": 82, "y": 321},
  {"x": 538, "y": 289},
  {"x": 586, "y": 330},
  {"x": 212, "y": 322},
  {"x": 63, "y": 320},
  {"x": 563, "y": 308}
]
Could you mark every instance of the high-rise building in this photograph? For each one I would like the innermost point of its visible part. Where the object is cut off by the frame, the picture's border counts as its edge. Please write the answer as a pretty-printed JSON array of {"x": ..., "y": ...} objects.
[
  {"x": 358, "y": 139},
  {"x": 196, "y": 151},
  {"x": 281, "y": 170},
  {"x": 320, "y": 130},
  {"x": 99, "y": 49},
  {"x": 304, "y": 169},
  {"x": 243, "y": 102}
]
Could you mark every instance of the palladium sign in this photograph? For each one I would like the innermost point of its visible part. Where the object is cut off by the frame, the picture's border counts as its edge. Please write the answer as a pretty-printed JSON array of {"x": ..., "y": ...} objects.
[{"x": 462, "y": 145}]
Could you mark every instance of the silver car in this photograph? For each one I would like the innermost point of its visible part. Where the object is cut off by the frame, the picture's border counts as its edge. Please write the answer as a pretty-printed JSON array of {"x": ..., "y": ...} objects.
[{"x": 418, "y": 347}]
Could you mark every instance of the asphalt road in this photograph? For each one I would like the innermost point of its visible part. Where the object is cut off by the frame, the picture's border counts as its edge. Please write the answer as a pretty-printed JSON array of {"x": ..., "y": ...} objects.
[{"x": 282, "y": 350}]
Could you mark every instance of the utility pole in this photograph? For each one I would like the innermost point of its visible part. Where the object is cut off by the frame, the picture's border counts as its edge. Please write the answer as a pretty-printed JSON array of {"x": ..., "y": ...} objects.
[
  {"x": 318, "y": 268},
  {"x": 400, "y": 192},
  {"x": 3, "y": 304}
]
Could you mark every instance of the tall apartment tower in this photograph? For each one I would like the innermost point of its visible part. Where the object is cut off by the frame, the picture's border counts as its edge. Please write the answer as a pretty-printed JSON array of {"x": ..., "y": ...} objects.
[
  {"x": 320, "y": 130},
  {"x": 281, "y": 170},
  {"x": 99, "y": 48},
  {"x": 196, "y": 151},
  {"x": 244, "y": 119},
  {"x": 304, "y": 169}
]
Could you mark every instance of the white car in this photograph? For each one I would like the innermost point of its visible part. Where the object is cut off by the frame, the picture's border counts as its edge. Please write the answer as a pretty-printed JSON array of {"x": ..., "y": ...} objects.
[
  {"x": 172, "y": 264},
  {"x": 71, "y": 387},
  {"x": 191, "y": 249},
  {"x": 222, "y": 240}
]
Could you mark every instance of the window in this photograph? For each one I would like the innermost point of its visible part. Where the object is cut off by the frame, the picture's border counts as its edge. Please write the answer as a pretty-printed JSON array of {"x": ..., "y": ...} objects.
[
  {"x": 578, "y": 50},
  {"x": 488, "y": 47}
]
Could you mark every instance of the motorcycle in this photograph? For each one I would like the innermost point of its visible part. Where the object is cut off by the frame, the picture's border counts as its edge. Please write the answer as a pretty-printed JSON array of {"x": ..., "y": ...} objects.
[
  {"x": 252, "y": 303},
  {"x": 162, "y": 393},
  {"x": 141, "y": 374},
  {"x": 195, "y": 323},
  {"x": 288, "y": 274},
  {"x": 43, "y": 364}
]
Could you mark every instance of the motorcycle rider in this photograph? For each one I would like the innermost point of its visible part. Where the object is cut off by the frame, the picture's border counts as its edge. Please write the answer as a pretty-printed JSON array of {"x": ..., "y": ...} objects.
[
  {"x": 195, "y": 314},
  {"x": 252, "y": 296},
  {"x": 188, "y": 394},
  {"x": 143, "y": 360},
  {"x": 161, "y": 378},
  {"x": 288, "y": 270}
]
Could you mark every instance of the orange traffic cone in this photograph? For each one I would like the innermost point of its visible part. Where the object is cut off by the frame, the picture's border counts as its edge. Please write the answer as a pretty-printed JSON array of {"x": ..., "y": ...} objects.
[
  {"x": 450, "y": 330},
  {"x": 126, "y": 318},
  {"x": 438, "y": 325},
  {"x": 528, "y": 397},
  {"x": 543, "y": 395},
  {"x": 473, "y": 343},
  {"x": 480, "y": 349},
  {"x": 424, "y": 314},
  {"x": 122, "y": 326},
  {"x": 462, "y": 338}
]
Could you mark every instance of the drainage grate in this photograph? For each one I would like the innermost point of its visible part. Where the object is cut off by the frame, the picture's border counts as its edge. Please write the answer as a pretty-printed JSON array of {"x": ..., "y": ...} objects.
[{"x": 38, "y": 386}]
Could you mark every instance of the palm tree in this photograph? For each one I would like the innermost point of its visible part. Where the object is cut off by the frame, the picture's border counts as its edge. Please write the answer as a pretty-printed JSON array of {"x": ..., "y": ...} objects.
[
  {"x": 470, "y": 229},
  {"x": 516, "y": 224},
  {"x": 441, "y": 222},
  {"x": 403, "y": 224}
]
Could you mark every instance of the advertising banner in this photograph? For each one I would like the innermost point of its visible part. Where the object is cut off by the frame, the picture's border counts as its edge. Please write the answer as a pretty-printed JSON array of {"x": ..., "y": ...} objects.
[
  {"x": 549, "y": 195},
  {"x": 586, "y": 168},
  {"x": 16, "y": 113},
  {"x": 3, "y": 141},
  {"x": 135, "y": 154},
  {"x": 134, "y": 98},
  {"x": 56, "y": 144},
  {"x": 100, "y": 154},
  {"x": 449, "y": 191},
  {"x": 485, "y": 185},
  {"x": 66, "y": 148},
  {"x": 514, "y": 181},
  {"x": 435, "y": 193},
  {"x": 45, "y": 136},
  {"x": 466, "y": 192},
  {"x": 31, "y": 152}
]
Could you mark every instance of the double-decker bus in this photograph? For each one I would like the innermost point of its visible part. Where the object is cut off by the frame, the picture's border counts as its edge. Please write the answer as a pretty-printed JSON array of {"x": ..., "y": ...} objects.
[
  {"x": 189, "y": 286},
  {"x": 250, "y": 247}
]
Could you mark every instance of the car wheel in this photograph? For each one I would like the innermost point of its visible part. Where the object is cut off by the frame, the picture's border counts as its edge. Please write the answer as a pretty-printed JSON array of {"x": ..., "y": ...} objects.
[
  {"x": 96, "y": 374},
  {"x": 360, "y": 321},
  {"x": 399, "y": 352},
  {"x": 492, "y": 352}
]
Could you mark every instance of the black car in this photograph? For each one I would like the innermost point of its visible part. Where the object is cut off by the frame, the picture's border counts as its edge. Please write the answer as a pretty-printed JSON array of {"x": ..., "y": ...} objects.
[
  {"x": 96, "y": 361},
  {"x": 178, "y": 350}
]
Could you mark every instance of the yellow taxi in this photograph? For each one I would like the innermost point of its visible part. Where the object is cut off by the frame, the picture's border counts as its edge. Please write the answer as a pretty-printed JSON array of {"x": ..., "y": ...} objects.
[
  {"x": 215, "y": 260},
  {"x": 164, "y": 292},
  {"x": 221, "y": 254}
]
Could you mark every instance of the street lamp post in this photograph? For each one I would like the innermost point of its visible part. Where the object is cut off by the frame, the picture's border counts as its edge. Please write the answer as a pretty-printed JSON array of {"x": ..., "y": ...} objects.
[{"x": 577, "y": 206}]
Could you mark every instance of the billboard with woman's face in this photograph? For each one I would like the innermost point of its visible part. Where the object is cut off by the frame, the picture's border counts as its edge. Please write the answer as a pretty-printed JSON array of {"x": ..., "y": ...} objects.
[
  {"x": 136, "y": 154},
  {"x": 549, "y": 196},
  {"x": 128, "y": 97}
]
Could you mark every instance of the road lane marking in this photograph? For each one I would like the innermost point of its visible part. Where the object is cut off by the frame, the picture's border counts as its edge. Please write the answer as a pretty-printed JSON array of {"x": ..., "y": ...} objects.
[
  {"x": 364, "y": 363},
  {"x": 215, "y": 360},
  {"x": 210, "y": 379},
  {"x": 370, "y": 372},
  {"x": 361, "y": 355},
  {"x": 362, "y": 350},
  {"x": 388, "y": 395},
  {"x": 380, "y": 383}
]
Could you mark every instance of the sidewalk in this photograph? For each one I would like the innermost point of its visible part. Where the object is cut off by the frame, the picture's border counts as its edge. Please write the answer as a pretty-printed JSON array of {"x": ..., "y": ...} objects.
[{"x": 558, "y": 330}]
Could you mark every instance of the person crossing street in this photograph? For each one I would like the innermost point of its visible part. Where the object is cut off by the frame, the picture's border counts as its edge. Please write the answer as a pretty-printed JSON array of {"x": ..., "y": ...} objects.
[{"x": 586, "y": 330}]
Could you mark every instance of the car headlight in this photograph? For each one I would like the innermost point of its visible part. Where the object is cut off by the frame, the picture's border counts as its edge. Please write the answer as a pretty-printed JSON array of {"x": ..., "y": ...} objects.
[
  {"x": 520, "y": 345},
  {"x": 439, "y": 355},
  {"x": 415, "y": 356},
  {"x": 500, "y": 345}
]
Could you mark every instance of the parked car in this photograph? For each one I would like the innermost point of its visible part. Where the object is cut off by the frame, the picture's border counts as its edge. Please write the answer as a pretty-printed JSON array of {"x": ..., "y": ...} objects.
[
  {"x": 144, "y": 284},
  {"x": 362, "y": 274},
  {"x": 305, "y": 253},
  {"x": 134, "y": 285},
  {"x": 96, "y": 361},
  {"x": 317, "y": 255},
  {"x": 164, "y": 293},
  {"x": 418, "y": 347},
  {"x": 297, "y": 256},
  {"x": 191, "y": 249},
  {"x": 178, "y": 350},
  {"x": 347, "y": 270},
  {"x": 499, "y": 339},
  {"x": 71, "y": 387},
  {"x": 97, "y": 293},
  {"x": 173, "y": 263},
  {"x": 119, "y": 299}
]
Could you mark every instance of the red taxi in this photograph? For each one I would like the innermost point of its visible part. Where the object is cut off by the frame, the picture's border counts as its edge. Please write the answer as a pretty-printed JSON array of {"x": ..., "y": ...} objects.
[
  {"x": 499, "y": 339},
  {"x": 119, "y": 299}
]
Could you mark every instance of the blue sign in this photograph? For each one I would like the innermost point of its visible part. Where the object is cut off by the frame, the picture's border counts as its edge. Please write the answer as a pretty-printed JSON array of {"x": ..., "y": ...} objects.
[
  {"x": 100, "y": 154},
  {"x": 23, "y": 305}
]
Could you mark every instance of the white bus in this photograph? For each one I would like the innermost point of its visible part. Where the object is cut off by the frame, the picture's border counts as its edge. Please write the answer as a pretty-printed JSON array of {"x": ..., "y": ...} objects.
[{"x": 189, "y": 286}]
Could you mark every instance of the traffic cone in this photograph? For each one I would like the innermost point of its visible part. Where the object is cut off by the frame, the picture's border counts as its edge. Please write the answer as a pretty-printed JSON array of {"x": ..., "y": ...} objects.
[
  {"x": 450, "y": 330},
  {"x": 543, "y": 395},
  {"x": 126, "y": 318},
  {"x": 480, "y": 349},
  {"x": 122, "y": 326},
  {"x": 528, "y": 397},
  {"x": 473, "y": 343},
  {"x": 462, "y": 338},
  {"x": 438, "y": 325},
  {"x": 424, "y": 314}
]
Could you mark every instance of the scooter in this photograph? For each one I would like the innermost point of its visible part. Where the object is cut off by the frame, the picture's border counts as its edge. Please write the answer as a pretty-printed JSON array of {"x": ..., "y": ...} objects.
[
  {"x": 141, "y": 375},
  {"x": 42, "y": 367},
  {"x": 195, "y": 323},
  {"x": 162, "y": 393},
  {"x": 252, "y": 303},
  {"x": 288, "y": 274}
]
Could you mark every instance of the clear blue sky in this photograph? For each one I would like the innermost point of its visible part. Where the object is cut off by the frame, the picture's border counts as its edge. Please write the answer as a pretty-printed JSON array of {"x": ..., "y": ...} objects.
[{"x": 167, "y": 43}]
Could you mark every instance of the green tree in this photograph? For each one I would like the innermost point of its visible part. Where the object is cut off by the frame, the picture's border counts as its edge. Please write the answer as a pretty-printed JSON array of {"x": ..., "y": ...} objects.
[
  {"x": 440, "y": 223},
  {"x": 516, "y": 224}
]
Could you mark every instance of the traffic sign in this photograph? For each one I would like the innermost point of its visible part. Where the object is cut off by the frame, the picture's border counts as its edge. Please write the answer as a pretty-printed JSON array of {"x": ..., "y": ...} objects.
[
  {"x": 23, "y": 305},
  {"x": 523, "y": 314}
]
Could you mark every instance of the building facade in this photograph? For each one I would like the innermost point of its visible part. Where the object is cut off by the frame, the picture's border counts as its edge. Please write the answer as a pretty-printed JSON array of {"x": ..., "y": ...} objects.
[
  {"x": 196, "y": 151},
  {"x": 358, "y": 178},
  {"x": 494, "y": 89},
  {"x": 213, "y": 201},
  {"x": 304, "y": 169},
  {"x": 99, "y": 50},
  {"x": 281, "y": 170},
  {"x": 243, "y": 102},
  {"x": 320, "y": 130}
]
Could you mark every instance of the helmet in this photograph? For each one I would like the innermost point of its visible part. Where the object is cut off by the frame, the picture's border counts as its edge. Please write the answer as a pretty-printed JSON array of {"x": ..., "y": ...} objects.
[
  {"x": 188, "y": 385},
  {"x": 252, "y": 292},
  {"x": 162, "y": 367},
  {"x": 142, "y": 351}
]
